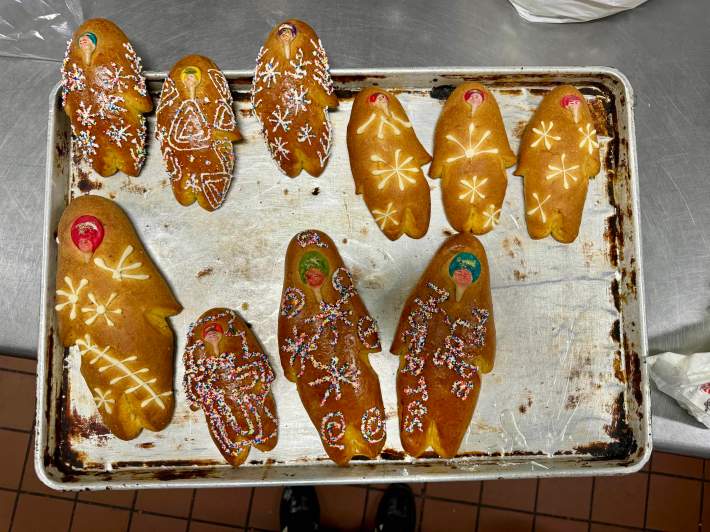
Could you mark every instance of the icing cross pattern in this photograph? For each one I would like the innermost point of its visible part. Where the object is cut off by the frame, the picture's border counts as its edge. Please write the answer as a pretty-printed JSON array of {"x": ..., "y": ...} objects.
[
  {"x": 111, "y": 363},
  {"x": 471, "y": 189},
  {"x": 562, "y": 170},
  {"x": 383, "y": 121},
  {"x": 492, "y": 216},
  {"x": 589, "y": 135},
  {"x": 347, "y": 373},
  {"x": 386, "y": 216},
  {"x": 119, "y": 272},
  {"x": 397, "y": 169},
  {"x": 101, "y": 309},
  {"x": 103, "y": 400},
  {"x": 72, "y": 296},
  {"x": 545, "y": 135},
  {"x": 539, "y": 208},
  {"x": 471, "y": 149}
]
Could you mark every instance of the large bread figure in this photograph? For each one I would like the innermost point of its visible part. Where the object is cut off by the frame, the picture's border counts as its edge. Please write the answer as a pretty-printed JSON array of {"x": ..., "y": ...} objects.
[
  {"x": 559, "y": 152},
  {"x": 196, "y": 128},
  {"x": 228, "y": 377},
  {"x": 291, "y": 94},
  {"x": 112, "y": 304},
  {"x": 445, "y": 341},
  {"x": 325, "y": 337},
  {"x": 471, "y": 153},
  {"x": 104, "y": 94},
  {"x": 385, "y": 160}
]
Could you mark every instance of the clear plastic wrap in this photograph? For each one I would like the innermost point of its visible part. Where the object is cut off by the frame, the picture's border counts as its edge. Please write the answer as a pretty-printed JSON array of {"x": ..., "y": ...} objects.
[
  {"x": 558, "y": 11},
  {"x": 38, "y": 29}
]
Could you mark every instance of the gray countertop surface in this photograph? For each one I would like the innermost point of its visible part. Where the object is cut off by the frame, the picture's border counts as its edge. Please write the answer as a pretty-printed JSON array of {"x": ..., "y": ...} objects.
[{"x": 662, "y": 46}]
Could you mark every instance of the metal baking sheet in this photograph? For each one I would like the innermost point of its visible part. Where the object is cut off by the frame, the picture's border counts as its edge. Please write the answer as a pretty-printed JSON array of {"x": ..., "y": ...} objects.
[{"x": 569, "y": 391}]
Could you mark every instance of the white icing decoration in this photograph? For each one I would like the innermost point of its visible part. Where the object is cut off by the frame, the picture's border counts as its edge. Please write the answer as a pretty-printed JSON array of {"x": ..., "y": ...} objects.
[
  {"x": 84, "y": 115},
  {"x": 588, "y": 138},
  {"x": 562, "y": 170},
  {"x": 298, "y": 64},
  {"x": 100, "y": 309},
  {"x": 188, "y": 131},
  {"x": 86, "y": 347},
  {"x": 280, "y": 119},
  {"x": 384, "y": 217},
  {"x": 539, "y": 208},
  {"x": 297, "y": 100},
  {"x": 335, "y": 376},
  {"x": 305, "y": 134},
  {"x": 471, "y": 149},
  {"x": 224, "y": 117},
  {"x": 382, "y": 122},
  {"x": 544, "y": 135},
  {"x": 119, "y": 272},
  {"x": 397, "y": 169},
  {"x": 220, "y": 83},
  {"x": 471, "y": 189},
  {"x": 321, "y": 68},
  {"x": 118, "y": 134},
  {"x": 492, "y": 216},
  {"x": 278, "y": 148},
  {"x": 103, "y": 400},
  {"x": 72, "y": 296},
  {"x": 270, "y": 72}
]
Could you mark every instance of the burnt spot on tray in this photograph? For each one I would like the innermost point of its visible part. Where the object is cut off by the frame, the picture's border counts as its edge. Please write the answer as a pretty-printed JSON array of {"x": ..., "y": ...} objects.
[
  {"x": 571, "y": 402},
  {"x": 600, "y": 116},
  {"x": 612, "y": 234},
  {"x": 86, "y": 427},
  {"x": 623, "y": 444},
  {"x": 245, "y": 306},
  {"x": 615, "y": 294},
  {"x": 345, "y": 94},
  {"x": 519, "y": 276},
  {"x": 345, "y": 240},
  {"x": 442, "y": 92},
  {"x": 392, "y": 454},
  {"x": 204, "y": 272},
  {"x": 147, "y": 445},
  {"x": 86, "y": 185},
  {"x": 448, "y": 233},
  {"x": 633, "y": 371},
  {"x": 519, "y": 129},
  {"x": 615, "y": 332},
  {"x": 315, "y": 191},
  {"x": 618, "y": 369},
  {"x": 285, "y": 192}
]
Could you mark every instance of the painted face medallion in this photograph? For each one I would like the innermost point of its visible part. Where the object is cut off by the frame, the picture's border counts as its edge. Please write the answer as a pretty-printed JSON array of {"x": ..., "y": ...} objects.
[
  {"x": 313, "y": 269},
  {"x": 571, "y": 102},
  {"x": 212, "y": 333},
  {"x": 379, "y": 100},
  {"x": 464, "y": 270},
  {"x": 87, "y": 43},
  {"x": 474, "y": 98},
  {"x": 87, "y": 232},
  {"x": 191, "y": 77}
]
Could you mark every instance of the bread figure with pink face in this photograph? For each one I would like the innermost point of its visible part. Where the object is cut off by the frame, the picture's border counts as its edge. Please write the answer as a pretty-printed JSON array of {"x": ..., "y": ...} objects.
[
  {"x": 471, "y": 153},
  {"x": 559, "y": 153}
]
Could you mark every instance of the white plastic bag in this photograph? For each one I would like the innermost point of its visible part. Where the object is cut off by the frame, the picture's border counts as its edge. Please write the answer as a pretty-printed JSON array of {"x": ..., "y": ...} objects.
[
  {"x": 686, "y": 378},
  {"x": 571, "y": 10}
]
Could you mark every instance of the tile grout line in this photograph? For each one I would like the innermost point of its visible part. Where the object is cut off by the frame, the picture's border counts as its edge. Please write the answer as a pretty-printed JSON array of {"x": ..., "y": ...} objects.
[
  {"x": 18, "y": 492},
  {"x": 189, "y": 513},
  {"x": 73, "y": 511},
  {"x": 19, "y": 371},
  {"x": 364, "y": 507},
  {"x": 133, "y": 508},
  {"x": 251, "y": 501},
  {"x": 702, "y": 500},
  {"x": 648, "y": 490},
  {"x": 537, "y": 493},
  {"x": 14, "y": 429},
  {"x": 478, "y": 506},
  {"x": 420, "y": 517},
  {"x": 591, "y": 501}
]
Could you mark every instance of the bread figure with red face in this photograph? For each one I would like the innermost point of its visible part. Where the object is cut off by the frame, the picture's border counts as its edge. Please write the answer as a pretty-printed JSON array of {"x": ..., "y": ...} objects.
[
  {"x": 559, "y": 152},
  {"x": 104, "y": 94},
  {"x": 228, "y": 377},
  {"x": 386, "y": 159},
  {"x": 471, "y": 153},
  {"x": 445, "y": 341},
  {"x": 196, "y": 128},
  {"x": 112, "y": 305},
  {"x": 291, "y": 94},
  {"x": 325, "y": 337}
]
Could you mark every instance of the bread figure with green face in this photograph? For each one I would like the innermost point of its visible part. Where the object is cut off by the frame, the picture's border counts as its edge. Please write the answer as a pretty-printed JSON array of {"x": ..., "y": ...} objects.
[
  {"x": 325, "y": 338},
  {"x": 291, "y": 94},
  {"x": 105, "y": 96},
  {"x": 228, "y": 377},
  {"x": 112, "y": 305},
  {"x": 195, "y": 126},
  {"x": 386, "y": 159},
  {"x": 445, "y": 342},
  {"x": 559, "y": 153},
  {"x": 471, "y": 153}
]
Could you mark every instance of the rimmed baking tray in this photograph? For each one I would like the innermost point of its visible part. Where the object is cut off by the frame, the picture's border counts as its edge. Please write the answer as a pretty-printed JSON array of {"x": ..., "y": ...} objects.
[{"x": 569, "y": 393}]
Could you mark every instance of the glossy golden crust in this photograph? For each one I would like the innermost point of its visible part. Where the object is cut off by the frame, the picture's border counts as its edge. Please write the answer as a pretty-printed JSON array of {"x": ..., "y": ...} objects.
[
  {"x": 112, "y": 303},
  {"x": 291, "y": 94},
  {"x": 325, "y": 336},
  {"x": 559, "y": 152},
  {"x": 196, "y": 127},
  {"x": 104, "y": 94},
  {"x": 385, "y": 160},
  {"x": 471, "y": 153},
  {"x": 228, "y": 377},
  {"x": 445, "y": 340}
]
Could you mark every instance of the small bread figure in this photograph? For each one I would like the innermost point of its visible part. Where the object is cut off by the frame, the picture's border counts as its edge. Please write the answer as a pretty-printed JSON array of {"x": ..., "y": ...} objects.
[
  {"x": 196, "y": 128},
  {"x": 228, "y": 377},
  {"x": 385, "y": 159},
  {"x": 445, "y": 340},
  {"x": 104, "y": 94},
  {"x": 325, "y": 338},
  {"x": 559, "y": 152},
  {"x": 290, "y": 96},
  {"x": 112, "y": 304},
  {"x": 471, "y": 153}
]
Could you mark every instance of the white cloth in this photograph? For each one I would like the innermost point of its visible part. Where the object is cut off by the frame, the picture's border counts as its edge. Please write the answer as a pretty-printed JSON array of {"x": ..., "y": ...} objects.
[
  {"x": 686, "y": 378},
  {"x": 571, "y": 10}
]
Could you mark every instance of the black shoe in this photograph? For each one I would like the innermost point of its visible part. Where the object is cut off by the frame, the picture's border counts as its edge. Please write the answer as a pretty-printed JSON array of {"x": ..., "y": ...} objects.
[
  {"x": 300, "y": 511},
  {"x": 397, "y": 510}
]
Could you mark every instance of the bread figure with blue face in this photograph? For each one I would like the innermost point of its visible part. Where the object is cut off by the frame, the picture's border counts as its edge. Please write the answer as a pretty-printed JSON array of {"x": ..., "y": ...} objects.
[
  {"x": 559, "y": 153},
  {"x": 105, "y": 96},
  {"x": 471, "y": 153},
  {"x": 445, "y": 342}
]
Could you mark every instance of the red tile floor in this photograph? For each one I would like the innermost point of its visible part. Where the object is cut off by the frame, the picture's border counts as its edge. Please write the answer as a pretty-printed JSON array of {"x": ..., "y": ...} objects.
[{"x": 673, "y": 493}]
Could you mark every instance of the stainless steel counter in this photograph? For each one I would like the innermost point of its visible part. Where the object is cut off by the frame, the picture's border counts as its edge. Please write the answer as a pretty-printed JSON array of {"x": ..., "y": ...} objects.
[{"x": 661, "y": 46}]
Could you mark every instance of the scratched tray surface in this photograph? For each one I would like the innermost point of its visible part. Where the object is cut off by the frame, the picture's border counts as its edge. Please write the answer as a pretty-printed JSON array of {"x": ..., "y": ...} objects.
[{"x": 568, "y": 391}]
